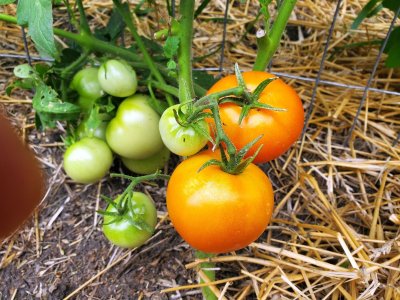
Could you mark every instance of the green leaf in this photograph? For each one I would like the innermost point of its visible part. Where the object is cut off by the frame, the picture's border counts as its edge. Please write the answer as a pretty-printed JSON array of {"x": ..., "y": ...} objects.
[
  {"x": 24, "y": 71},
  {"x": 4, "y": 2},
  {"x": 393, "y": 49},
  {"x": 201, "y": 7},
  {"x": 37, "y": 15},
  {"x": 171, "y": 46},
  {"x": 25, "y": 84},
  {"x": 171, "y": 65},
  {"x": 371, "y": 8},
  {"x": 393, "y": 5},
  {"x": 49, "y": 108},
  {"x": 114, "y": 28},
  {"x": 203, "y": 79}
]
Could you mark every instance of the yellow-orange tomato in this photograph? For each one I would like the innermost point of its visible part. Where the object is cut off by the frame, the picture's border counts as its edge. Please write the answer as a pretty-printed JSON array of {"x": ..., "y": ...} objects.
[
  {"x": 217, "y": 212},
  {"x": 280, "y": 129}
]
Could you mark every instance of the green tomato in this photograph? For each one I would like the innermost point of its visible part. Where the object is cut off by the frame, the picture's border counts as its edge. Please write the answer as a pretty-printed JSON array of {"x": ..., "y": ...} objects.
[
  {"x": 86, "y": 104},
  {"x": 119, "y": 229},
  {"x": 147, "y": 165},
  {"x": 86, "y": 83},
  {"x": 88, "y": 160},
  {"x": 133, "y": 133},
  {"x": 98, "y": 132},
  {"x": 117, "y": 78},
  {"x": 183, "y": 141}
]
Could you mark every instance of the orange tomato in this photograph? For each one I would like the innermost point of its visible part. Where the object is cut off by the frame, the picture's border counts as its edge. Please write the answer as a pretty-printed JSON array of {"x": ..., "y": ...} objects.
[
  {"x": 280, "y": 129},
  {"x": 217, "y": 212}
]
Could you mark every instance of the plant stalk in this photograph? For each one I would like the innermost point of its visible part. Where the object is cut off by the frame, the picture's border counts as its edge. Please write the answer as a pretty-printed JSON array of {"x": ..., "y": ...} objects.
[
  {"x": 269, "y": 40},
  {"x": 207, "y": 269},
  {"x": 185, "y": 80}
]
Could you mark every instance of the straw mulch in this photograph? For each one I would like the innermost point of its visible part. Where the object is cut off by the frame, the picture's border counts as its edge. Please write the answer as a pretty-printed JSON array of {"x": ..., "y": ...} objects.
[{"x": 335, "y": 231}]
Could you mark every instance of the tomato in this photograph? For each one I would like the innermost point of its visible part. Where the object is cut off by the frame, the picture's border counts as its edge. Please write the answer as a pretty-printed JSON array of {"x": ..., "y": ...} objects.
[
  {"x": 21, "y": 180},
  {"x": 88, "y": 160},
  {"x": 98, "y": 132},
  {"x": 280, "y": 129},
  {"x": 117, "y": 78},
  {"x": 147, "y": 165},
  {"x": 133, "y": 133},
  {"x": 218, "y": 212},
  {"x": 120, "y": 231},
  {"x": 86, "y": 83},
  {"x": 183, "y": 141}
]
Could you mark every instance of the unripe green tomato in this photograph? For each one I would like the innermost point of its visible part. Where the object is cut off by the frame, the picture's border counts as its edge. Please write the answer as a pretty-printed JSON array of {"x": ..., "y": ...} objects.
[
  {"x": 133, "y": 132},
  {"x": 183, "y": 141},
  {"x": 86, "y": 104},
  {"x": 98, "y": 132},
  {"x": 121, "y": 232},
  {"x": 86, "y": 83},
  {"x": 147, "y": 165},
  {"x": 88, "y": 160},
  {"x": 117, "y": 78}
]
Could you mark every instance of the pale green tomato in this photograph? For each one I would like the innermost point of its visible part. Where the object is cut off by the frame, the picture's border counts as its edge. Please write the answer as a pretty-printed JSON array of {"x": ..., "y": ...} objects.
[
  {"x": 147, "y": 165},
  {"x": 88, "y": 160},
  {"x": 86, "y": 83},
  {"x": 117, "y": 78},
  {"x": 133, "y": 133}
]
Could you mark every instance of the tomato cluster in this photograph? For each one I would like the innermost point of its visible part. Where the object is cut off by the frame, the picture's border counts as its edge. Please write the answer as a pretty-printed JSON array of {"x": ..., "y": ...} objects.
[{"x": 213, "y": 209}]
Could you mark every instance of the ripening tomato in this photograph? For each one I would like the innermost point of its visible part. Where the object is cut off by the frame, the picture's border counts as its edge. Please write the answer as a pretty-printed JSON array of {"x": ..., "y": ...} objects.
[
  {"x": 280, "y": 129},
  {"x": 218, "y": 212}
]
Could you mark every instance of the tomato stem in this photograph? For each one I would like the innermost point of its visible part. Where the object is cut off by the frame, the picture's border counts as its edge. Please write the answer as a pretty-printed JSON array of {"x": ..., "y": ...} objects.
[
  {"x": 268, "y": 40},
  {"x": 127, "y": 17},
  {"x": 84, "y": 28},
  {"x": 186, "y": 92},
  {"x": 94, "y": 44},
  {"x": 207, "y": 268}
]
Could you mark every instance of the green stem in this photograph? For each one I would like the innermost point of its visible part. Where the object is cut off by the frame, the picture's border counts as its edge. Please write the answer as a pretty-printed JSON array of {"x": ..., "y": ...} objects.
[
  {"x": 126, "y": 15},
  {"x": 84, "y": 25},
  {"x": 91, "y": 43},
  {"x": 207, "y": 269},
  {"x": 165, "y": 88},
  {"x": 186, "y": 92},
  {"x": 268, "y": 42}
]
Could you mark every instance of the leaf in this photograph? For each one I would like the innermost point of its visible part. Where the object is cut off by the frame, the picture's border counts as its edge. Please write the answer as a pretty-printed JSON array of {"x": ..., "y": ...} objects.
[
  {"x": 201, "y": 7},
  {"x": 4, "y": 2},
  {"x": 203, "y": 79},
  {"x": 371, "y": 8},
  {"x": 393, "y": 49},
  {"x": 26, "y": 84},
  {"x": 171, "y": 46},
  {"x": 393, "y": 5},
  {"x": 114, "y": 28},
  {"x": 24, "y": 71},
  {"x": 49, "y": 108},
  {"x": 37, "y": 15}
]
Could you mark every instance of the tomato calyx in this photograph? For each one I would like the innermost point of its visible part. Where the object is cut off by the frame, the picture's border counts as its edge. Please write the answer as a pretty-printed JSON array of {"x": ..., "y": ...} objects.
[
  {"x": 124, "y": 208},
  {"x": 251, "y": 99}
]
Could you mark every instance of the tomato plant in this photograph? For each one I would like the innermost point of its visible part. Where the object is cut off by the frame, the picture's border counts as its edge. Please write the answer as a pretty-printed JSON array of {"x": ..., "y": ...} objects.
[
  {"x": 215, "y": 211},
  {"x": 133, "y": 133},
  {"x": 182, "y": 140},
  {"x": 88, "y": 160},
  {"x": 117, "y": 78},
  {"x": 98, "y": 132},
  {"x": 147, "y": 165},
  {"x": 279, "y": 129},
  {"x": 132, "y": 225}
]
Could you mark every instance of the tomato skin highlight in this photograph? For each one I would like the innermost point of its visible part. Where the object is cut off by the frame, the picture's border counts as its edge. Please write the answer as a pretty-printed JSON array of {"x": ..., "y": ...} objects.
[
  {"x": 121, "y": 232},
  {"x": 88, "y": 160},
  {"x": 183, "y": 141},
  {"x": 280, "y": 129},
  {"x": 217, "y": 212},
  {"x": 133, "y": 133},
  {"x": 21, "y": 180}
]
